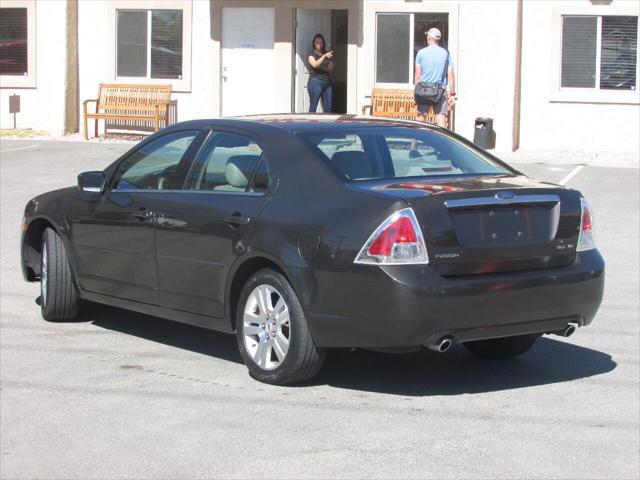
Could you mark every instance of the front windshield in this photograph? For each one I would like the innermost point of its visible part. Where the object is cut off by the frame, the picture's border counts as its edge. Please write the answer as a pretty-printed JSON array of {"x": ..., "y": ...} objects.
[{"x": 397, "y": 152}]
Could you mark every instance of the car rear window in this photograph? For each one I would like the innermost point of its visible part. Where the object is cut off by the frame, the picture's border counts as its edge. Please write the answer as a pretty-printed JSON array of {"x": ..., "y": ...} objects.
[{"x": 379, "y": 153}]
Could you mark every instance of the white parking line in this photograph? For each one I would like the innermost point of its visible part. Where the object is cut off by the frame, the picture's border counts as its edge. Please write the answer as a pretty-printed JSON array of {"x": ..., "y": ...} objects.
[
  {"x": 26, "y": 147},
  {"x": 572, "y": 174}
]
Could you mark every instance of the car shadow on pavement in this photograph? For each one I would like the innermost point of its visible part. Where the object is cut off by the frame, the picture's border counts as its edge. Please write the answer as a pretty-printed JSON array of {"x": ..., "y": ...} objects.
[
  {"x": 457, "y": 372},
  {"x": 412, "y": 374},
  {"x": 166, "y": 332}
]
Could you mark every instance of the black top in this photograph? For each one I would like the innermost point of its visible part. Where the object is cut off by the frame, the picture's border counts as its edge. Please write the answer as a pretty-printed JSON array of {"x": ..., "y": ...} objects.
[{"x": 321, "y": 73}]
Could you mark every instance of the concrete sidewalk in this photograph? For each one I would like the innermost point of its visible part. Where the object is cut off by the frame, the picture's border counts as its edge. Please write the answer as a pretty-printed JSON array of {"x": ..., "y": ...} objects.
[{"x": 573, "y": 157}]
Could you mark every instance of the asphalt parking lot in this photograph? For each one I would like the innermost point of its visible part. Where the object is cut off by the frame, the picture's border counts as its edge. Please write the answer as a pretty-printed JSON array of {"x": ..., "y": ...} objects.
[{"x": 122, "y": 395}]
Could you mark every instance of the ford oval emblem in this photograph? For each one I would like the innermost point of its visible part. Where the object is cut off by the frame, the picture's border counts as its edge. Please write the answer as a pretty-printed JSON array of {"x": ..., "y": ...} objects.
[{"x": 505, "y": 195}]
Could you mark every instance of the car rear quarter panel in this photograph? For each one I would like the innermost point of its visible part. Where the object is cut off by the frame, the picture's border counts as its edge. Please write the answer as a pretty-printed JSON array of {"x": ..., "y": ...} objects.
[{"x": 314, "y": 222}]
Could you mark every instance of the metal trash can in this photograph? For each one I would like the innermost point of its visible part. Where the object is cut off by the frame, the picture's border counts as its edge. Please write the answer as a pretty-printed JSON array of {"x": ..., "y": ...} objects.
[{"x": 483, "y": 135}]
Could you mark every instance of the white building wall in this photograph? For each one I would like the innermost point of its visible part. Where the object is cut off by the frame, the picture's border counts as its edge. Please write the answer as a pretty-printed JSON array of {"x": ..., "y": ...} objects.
[
  {"x": 205, "y": 68},
  {"x": 482, "y": 44},
  {"x": 97, "y": 64},
  {"x": 366, "y": 53},
  {"x": 606, "y": 123},
  {"x": 42, "y": 107},
  {"x": 485, "y": 67},
  {"x": 92, "y": 46}
]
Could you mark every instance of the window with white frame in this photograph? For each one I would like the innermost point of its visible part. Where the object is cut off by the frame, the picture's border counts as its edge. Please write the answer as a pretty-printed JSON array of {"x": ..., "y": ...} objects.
[
  {"x": 599, "y": 52},
  {"x": 149, "y": 44},
  {"x": 399, "y": 37},
  {"x": 13, "y": 41},
  {"x": 17, "y": 43}
]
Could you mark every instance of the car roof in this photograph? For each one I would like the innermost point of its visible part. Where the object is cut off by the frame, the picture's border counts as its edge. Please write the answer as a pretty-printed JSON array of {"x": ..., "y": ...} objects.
[
  {"x": 304, "y": 122},
  {"x": 294, "y": 123}
]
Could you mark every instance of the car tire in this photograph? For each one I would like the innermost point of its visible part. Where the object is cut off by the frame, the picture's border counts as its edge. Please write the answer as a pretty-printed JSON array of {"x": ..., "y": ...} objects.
[
  {"x": 58, "y": 295},
  {"x": 269, "y": 317},
  {"x": 501, "y": 348}
]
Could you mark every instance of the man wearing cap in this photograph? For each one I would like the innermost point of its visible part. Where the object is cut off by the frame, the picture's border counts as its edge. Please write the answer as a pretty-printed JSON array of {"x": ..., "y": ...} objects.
[{"x": 431, "y": 62}]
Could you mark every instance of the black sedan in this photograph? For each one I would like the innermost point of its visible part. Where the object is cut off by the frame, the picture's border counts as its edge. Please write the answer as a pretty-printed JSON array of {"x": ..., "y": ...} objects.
[{"x": 302, "y": 234}]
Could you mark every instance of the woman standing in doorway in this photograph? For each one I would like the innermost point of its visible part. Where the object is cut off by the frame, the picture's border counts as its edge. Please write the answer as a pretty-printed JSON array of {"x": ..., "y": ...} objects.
[{"x": 320, "y": 66}]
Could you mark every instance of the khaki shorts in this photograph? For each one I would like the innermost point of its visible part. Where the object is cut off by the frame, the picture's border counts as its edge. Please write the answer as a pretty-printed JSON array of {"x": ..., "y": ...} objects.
[{"x": 441, "y": 108}]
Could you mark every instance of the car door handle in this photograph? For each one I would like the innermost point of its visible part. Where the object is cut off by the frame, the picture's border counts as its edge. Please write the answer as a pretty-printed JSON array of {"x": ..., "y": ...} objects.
[
  {"x": 237, "y": 219},
  {"x": 142, "y": 214}
]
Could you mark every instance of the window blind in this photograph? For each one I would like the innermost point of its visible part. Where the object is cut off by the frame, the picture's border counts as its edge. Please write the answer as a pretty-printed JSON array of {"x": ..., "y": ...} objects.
[
  {"x": 619, "y": 52},
  {"x": 132, "y": 43},
  {"x": 579, "y": 40},
  {"x": 166, "y": 44},
  {"x": 13, "y": 41}
]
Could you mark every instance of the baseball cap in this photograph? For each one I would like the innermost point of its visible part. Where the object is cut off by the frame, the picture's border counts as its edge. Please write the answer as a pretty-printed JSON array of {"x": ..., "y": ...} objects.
[{"x": 434, "y": 33}]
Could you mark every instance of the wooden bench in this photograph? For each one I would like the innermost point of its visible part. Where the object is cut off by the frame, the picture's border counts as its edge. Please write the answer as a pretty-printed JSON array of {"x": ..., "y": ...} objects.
[
  {"x": 139, "y": 104},
  {"x": 396, "y": 103}
]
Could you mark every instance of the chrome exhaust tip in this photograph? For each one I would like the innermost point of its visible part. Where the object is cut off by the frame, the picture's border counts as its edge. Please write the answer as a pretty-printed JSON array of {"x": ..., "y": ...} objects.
[
  {"x": 441, "y": 345},
  {"x": 567, "y": 331},
  {"x": 570, "y": 330}
]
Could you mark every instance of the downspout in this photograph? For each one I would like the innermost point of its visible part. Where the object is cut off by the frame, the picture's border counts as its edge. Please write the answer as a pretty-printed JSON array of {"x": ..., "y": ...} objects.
[
  {"x": 71, "y": 81},
  {"x": 518, "y": 81}
]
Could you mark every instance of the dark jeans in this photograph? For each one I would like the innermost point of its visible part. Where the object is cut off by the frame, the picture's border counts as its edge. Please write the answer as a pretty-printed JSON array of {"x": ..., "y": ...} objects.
[{"x": 319, "y": 89}]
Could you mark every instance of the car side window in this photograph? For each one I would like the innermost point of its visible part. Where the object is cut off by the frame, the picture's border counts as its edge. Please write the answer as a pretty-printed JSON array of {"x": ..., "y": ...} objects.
[
  {"x": 350, "y": 154},
  {"x": 414, "y": 158},
  {"x": 262, "y": 178},
  {"x": 227, "y": 164},
  {"x": 154, "y": 165},
  {"x": 331, "y": 144}
]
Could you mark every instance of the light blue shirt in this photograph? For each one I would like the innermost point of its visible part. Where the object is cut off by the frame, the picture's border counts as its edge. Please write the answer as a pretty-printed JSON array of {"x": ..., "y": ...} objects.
[{"x": 432, "y": 60}]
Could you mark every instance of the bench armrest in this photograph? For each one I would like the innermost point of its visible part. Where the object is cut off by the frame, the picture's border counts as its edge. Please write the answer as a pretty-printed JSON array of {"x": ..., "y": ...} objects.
[
  {"x": 365, "y": 108},
  {"x": 87, "y": 102}
]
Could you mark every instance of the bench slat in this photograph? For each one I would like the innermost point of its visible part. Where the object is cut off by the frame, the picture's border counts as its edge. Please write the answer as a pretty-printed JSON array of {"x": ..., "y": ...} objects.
[
  {"x": 115, "y": 116},
  {"x": 140, "y": 108}
]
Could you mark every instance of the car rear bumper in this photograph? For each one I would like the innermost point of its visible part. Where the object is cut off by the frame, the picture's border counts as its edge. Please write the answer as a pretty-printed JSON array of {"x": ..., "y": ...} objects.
[{"x": 403, "y": 306}]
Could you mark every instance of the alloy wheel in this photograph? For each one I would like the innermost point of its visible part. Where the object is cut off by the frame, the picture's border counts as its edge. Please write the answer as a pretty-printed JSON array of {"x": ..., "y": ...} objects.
[{"x": 266, "y": 327}]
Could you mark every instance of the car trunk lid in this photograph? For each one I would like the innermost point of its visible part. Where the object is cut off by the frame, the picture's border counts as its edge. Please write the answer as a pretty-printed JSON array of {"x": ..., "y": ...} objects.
[{"x": 490, "y": 224}]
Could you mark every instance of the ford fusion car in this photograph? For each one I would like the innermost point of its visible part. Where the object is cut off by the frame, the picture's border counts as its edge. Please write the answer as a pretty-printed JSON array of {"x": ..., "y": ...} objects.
[{"x": 302, "y": 234}]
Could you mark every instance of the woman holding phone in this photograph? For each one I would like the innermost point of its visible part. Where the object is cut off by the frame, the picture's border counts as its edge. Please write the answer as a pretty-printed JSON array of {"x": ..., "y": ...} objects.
[{"x": 320, "y": 66}]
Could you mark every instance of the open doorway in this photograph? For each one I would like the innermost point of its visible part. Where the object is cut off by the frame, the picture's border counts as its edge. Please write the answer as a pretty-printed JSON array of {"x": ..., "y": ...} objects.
[{"x": 333, "y": 26}]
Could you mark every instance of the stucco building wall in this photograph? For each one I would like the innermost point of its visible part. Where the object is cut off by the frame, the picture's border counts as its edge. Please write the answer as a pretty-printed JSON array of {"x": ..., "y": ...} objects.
[
  {"x": 603, "y": 121},
  {"x": 482, "y": 40},
  {"x": 42, "y": 106}
]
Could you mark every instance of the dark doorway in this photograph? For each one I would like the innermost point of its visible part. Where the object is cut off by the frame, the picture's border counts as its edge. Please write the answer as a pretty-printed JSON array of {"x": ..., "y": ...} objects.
[{"x": 333, "y": 25}]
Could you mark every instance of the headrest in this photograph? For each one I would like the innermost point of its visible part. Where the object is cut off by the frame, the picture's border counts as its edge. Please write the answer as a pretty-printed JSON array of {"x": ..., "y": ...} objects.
[
  {"x": 353, "y": 164},
  {"x": 238, "y": 170}
]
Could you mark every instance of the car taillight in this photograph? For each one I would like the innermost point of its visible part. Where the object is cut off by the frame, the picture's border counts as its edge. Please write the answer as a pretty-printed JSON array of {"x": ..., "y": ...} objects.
[
  {"x": 397, "y": 241},
  {"x": 586, "y": 241}
]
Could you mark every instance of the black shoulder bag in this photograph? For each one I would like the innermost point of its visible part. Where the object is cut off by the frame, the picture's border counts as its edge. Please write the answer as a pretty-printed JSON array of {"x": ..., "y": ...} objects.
[{"x": 431, "y": 93}]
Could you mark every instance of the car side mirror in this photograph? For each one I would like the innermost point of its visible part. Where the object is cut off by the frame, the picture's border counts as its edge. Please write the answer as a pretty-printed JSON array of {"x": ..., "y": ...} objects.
[{"x": 91, "y": 182}]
